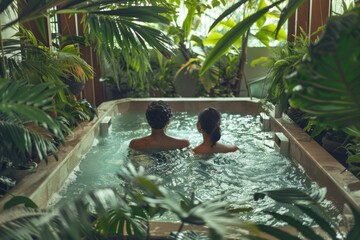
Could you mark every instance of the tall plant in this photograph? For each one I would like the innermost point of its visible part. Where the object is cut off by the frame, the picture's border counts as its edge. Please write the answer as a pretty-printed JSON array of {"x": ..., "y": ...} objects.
[
  {"x": 263, "y": 32},
  {"x": 106, "y": 24},
  {"x": 243, "y": 26},
  {"x": 326, "y": 85}
]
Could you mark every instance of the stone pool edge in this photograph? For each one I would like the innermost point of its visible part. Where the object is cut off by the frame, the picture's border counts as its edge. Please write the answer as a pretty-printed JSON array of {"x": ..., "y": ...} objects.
[
  {"x": 39, "y": 184},
  {"x": 342, "y": 186}
]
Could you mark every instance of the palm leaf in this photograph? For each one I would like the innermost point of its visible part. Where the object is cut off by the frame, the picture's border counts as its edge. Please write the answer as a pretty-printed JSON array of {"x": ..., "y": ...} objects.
[
  {"x": 232, "y": 35},
  {"x": 323, "y": 223},
  {"x": 31, "y": 104},
  {"x": 354, "y": 232},
  {"x": 287, "y": 12},
  {"x": 306, "y": 231},
  {"x": 293, "y": 196},
  {"x": 149, "y": 14},
  {"x": 227, "y": 12},
  {"x": 276, "y": 232},
  {"x": 25, "y": 125}
]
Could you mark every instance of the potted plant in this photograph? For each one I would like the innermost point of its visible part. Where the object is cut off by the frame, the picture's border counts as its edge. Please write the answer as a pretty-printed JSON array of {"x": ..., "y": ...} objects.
[{"x": 76, "y": 71}]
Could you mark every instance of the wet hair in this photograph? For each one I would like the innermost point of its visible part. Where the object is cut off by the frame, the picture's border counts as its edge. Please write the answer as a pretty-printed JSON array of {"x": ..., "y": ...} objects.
[
  {"x": 209, "y": 119},
  {"x": 158, "y": 114}
]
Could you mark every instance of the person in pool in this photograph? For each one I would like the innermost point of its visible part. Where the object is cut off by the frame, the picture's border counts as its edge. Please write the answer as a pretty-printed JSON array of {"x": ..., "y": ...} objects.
[
  {"x": 209, "y": 126},
  {"x": 158, "y": 116}
]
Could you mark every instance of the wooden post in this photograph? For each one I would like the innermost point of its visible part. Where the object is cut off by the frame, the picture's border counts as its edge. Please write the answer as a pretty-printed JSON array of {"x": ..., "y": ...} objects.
[
  {"x": 93, "y": 91},
  {"x": 308, "y": 18}
]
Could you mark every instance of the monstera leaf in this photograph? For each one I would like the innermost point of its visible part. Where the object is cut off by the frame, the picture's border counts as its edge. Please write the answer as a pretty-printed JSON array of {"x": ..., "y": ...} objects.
[{"x": 327, "y": 86}]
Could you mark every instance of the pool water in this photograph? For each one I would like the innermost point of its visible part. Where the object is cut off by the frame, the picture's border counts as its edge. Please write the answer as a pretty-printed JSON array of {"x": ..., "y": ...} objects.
[{"x": 256, "y": 167}]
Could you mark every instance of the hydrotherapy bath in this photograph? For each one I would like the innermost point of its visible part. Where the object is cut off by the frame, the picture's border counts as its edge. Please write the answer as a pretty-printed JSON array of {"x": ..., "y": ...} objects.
[
  {"x": 256, "y": 167},
  {"x": 42, "y": 183}
]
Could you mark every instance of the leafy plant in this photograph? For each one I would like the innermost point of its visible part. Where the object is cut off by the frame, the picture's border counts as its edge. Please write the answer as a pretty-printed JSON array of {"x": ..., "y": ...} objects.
[
  {"x": 286, "y": 58},
  {"x": 108, "y": 213},
  {"x": 126, "y": 212},
  {"x": 243, "y": 26},
  {"x": 161, "y": 76},
  {"x": 263, "y": 33},
  {"x": 26, "y": 129},
  {"x": 309, "y": 205},
  {"x": 325, "y": 85}
]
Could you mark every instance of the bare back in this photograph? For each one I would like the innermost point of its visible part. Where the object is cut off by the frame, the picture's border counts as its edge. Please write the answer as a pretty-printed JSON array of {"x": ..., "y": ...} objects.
[
  {"x": 158, "y": 143},
  {"x": 218, "y": 148}
]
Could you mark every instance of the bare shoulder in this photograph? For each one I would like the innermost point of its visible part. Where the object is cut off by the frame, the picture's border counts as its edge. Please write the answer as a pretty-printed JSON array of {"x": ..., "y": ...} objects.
[
  {"x": 227, "y": 148},
  {"x": 139, "y": 143},
  {"x": 180, "y": 143},
  {"x": 200, "y": 150}
]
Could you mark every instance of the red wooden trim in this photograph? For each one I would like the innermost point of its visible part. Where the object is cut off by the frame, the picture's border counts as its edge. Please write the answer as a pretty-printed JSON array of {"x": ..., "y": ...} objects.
[
  {"x": 303, "y": 18},
  {"x": 320, "y": 15}
]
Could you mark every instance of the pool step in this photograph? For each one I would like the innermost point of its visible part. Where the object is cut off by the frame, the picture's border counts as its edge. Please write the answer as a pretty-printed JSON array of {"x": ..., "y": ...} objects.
[
  {"x": 281, "y": 143},
  {"x": 265, "y": 121},
  {"x": 104, "y": 126}
]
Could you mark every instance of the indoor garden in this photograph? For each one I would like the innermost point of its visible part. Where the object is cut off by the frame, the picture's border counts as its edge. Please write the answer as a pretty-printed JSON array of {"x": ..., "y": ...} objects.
[{"x": 61, "y": 60}]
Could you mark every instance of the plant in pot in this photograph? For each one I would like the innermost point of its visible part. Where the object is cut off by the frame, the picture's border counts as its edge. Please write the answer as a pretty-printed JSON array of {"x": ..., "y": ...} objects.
[{"x": 76, "y": 70}]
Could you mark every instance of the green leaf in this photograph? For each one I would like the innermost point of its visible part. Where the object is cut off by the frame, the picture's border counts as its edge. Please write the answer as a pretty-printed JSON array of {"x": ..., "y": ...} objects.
[
  {"x": 293, "y": 196},
  {"x": 269, "y": 30},
  {"x": 287, "y": 12},
  {"x": 231, "y": 36},
  {"x": 263, "y": 37},
  {"x": 262, "y": 20},
  {"x": 227, "y": 12},
  {"x": 212, "y": 38},
  {"x": 19, "y": 200},
  {"x": 306, "y": 231},
  {"x": 323, "y": 223},
  {"x": 188, "y": 22},
  {"x": 326, "y": 86},
  {"x": 259, "y": 60},
  {"x": 354, "y": 232},
  {"x": 276, "y": 232}
]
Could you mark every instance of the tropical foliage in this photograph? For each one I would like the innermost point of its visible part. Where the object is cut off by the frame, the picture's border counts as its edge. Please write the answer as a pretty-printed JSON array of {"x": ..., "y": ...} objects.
[
  {"x": 29, "y": 66},
  {"x": 243, "y": 26},
  {"x": 281, "y": 64},
  {"x": 325, "y": 85},
  {"x": 107, "y": 213},
  {"x": 26, "y": 129},
  {"x": 128, "y": 210}
]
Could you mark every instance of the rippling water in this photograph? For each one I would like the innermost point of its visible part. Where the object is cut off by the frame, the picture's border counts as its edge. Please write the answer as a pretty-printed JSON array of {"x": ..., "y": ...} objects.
[{"x": 256, "y": 167}]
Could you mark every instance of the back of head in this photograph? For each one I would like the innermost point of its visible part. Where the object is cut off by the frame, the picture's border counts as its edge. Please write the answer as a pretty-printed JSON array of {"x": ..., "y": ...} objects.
[
  {"x": 158, "y": 114},
  {"x": 209, "y": 119}
]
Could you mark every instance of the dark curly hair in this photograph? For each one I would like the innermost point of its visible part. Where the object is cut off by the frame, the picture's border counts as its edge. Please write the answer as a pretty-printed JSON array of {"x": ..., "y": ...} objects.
[
  {"x": 209, "y": 119},
  {"x": 158, "y": 114}
]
